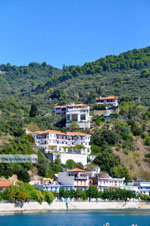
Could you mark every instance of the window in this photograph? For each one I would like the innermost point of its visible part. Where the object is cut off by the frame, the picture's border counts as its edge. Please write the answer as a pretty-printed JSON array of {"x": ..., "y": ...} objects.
[
  {"x": 74, "y": 118},
  {"x": 83, "y": 117},
  {"x": 68, "y": 117}
]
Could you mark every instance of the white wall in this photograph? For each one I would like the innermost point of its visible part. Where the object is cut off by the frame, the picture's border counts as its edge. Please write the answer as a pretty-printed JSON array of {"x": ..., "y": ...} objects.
[
  {"x": 64, "y": 179},
  {"x": 74, "y": 157}
]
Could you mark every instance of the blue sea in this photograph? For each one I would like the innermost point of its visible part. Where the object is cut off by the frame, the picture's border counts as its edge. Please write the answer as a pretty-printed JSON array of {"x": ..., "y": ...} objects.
[{"x": 84, "y": 218}]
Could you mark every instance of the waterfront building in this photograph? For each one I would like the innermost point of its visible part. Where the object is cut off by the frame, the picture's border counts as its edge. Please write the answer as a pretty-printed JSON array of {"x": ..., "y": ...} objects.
[
  {"x": 142, "y": 187},
  {"x": 56, "y": 141},
  {"x": 74, "y": 177},
  {"x": 104, "y": 181},
  {"x": 83, "y": 178}
]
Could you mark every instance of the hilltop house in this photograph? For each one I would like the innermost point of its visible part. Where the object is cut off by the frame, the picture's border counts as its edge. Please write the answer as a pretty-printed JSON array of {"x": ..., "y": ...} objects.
[
  {"x": 59, "y": 110},
  {"x": 57, "y": 141},
  {"x": 106, "y": 106},
  {"x": 79, "y": 114},
  {"x": 110, "y": 100}
]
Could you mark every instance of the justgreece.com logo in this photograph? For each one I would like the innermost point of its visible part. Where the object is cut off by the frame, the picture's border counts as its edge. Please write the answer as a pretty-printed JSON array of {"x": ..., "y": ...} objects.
[{"x": 18, "y": 158}]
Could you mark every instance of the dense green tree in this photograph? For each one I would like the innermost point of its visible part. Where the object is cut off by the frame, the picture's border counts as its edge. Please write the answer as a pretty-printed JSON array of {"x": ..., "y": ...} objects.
[
  {"x": 43, "y": 165},
  {"x": 95, "y": 149},
  {"x": 23, "y": 175},
  {"x": 34, "y": 110},
  {"x": 107, "y": 160},
  {"x": 105, "y": 137},
  {"x": 120, "y": 172},
  {"x": 70, "y": 164},
  {"x": 92, "y": 192},
  {"x": 79, "y": 165}
]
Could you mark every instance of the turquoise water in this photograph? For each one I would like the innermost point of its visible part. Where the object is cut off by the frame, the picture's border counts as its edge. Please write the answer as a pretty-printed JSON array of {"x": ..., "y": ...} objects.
[{"x": 99, "y": 218}]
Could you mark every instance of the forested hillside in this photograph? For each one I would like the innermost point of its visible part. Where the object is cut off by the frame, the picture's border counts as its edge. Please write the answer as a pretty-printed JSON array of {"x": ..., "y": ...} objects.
[
  {"x": 126, "y": 75},
  {"x": 125, "y": 140}
]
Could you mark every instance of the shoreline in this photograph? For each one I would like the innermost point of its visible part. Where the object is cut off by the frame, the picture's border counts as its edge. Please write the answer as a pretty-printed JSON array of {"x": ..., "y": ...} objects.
[{"x": 35, "y": 207}]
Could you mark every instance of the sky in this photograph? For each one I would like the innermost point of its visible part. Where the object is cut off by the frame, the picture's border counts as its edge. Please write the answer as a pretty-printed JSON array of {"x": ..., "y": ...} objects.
[{"x": 71, "y": 32}]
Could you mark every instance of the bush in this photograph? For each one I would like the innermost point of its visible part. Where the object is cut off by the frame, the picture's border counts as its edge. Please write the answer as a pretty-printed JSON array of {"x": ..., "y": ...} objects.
[
  {"x": 95, "y": 149},
  {"x": 124, "y": 131},
  {"x": 147, "y": 141},
  {"x": 14, "y": 193},
  {"x": 147, "y": 155},
  {"x": 38, "y": 196},
  {"x": 144, "y": 197},
  {"x": 48, "y": 196}
]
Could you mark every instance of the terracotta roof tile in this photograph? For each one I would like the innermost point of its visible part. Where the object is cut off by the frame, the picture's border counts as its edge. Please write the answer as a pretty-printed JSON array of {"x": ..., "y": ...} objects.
[
  {"x": 77, "y": 133},
  {"x": 92, "y": 166},
  {"x": 60, "y": 106},
  {"x": 49, "y": 131},
  {"x": 76, "y": 170},
  {"x": 5, "y": 184},
  {"x": 78, "y": 105},
  {"x": 107, "y": 98},
  {"x": 60, "y": 133}
]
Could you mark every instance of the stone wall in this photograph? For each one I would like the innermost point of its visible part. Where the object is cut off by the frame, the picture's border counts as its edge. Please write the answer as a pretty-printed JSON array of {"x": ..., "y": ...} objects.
[{"x": 6, "y": 208}]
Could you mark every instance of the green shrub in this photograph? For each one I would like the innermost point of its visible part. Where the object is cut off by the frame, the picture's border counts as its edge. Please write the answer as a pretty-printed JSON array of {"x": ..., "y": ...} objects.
[
  {"x": 48, "y": 196},
  {"x": 147, "y": 141}
]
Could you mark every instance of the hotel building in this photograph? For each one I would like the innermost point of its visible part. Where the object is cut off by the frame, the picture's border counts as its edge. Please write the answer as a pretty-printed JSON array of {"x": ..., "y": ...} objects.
[{"x": 52, "y": 141}]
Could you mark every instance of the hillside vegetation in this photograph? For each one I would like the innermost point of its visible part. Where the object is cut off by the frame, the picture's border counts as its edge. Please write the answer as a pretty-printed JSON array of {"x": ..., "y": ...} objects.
[{"x": 121, "y": 145}]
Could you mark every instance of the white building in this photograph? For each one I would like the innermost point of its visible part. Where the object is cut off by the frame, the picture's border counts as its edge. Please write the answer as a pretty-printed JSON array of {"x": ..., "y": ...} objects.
[
  {"x": 93, "y": 170},
  {"x": 53, "y": 141},
  {"x": 110, "y": 100},
  {"x": 142, "y": 187},
  {"x": 75, "y": 177},
  {"x": 106, "y": 182},
  {"x": 79, "y": 114},
  {"x": 60, "y": 110},
  {"x": 82, "y": 178}
]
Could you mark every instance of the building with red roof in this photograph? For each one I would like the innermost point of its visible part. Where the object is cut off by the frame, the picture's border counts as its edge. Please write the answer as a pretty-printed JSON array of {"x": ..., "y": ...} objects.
[
  {"x": 110, "y": 100},
  {"x": 5, "y": 184},
  {"x": 74, "y": 177},
  {"x": 83, "y": 178},
  {"x": 52, "y": 141},
  {"x": 79, "y": 113}
]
